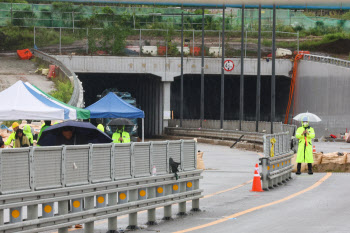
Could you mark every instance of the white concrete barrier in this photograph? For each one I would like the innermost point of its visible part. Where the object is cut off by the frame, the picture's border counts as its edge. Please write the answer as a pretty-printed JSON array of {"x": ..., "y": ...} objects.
[
  {"x": 215, "y": 51},
  {"x": 152, "y": 50}
]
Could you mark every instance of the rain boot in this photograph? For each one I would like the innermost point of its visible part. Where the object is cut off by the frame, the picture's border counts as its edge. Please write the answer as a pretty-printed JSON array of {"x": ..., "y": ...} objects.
[
  {"x": 309, "y": 165},
  {"x": 298, "y": 169}
]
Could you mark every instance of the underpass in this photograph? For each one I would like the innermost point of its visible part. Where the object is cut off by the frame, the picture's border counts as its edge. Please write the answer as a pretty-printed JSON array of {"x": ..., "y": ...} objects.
[{"x": 321, "y": 88}]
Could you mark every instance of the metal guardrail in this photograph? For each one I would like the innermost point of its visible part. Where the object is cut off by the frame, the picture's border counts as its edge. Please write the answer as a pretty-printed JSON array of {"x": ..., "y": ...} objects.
[
  {"x": 216, "y": 134},
  {"x": 289, "y": 128},
  {"x": 78, "y": 92},
  {"x": 276, "y": 163},
  {"x": 329, "y": 60},
  {"x": 247, "y": 126},
  {"x": 117, "y": 176}
]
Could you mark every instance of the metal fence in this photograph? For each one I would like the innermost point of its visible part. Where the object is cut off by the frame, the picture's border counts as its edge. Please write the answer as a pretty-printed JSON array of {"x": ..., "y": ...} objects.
[
  {"x": 54, "y": 15},
  {"x": 118, "y": 177},
  {"x": 247, "y": 126},
  {"x": 251, "y": 137},
  {"x": 77, "y": 98},
  {"x": 329, "y": 60},
  {"x": 276, "y": 163},
  {"x": 155, "y": 42}
]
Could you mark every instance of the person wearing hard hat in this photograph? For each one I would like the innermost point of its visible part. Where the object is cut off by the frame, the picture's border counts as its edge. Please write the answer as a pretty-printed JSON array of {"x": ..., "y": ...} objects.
[
  {"x": 305, "y": 134},
  {"x": 121, "y": 136},
  {"x": 12, "y": 137},
  {"x": 28, "y": 133},
  {"x": 100, "y": 127}
]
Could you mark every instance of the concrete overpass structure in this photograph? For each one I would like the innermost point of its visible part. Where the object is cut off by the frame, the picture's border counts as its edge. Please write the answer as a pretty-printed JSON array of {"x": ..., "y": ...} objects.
[
  {"x": 168, "y": 68},
  {"x": 165, "y": 69},
  {"x": 322, "y": 83}
]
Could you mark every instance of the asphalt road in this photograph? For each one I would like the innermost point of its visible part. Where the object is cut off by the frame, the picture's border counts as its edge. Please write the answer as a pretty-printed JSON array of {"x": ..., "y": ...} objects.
[{"x": 316, "y": 203}]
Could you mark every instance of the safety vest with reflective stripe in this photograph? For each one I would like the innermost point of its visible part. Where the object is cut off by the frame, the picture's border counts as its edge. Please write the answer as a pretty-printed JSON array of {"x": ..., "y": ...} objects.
[{"x": 125, "y": 136}]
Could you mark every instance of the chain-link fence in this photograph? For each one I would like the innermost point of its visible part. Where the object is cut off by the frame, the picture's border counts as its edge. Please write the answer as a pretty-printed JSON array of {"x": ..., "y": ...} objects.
[
  {"x": 69, "y": 15},
  {"x": 153, "y": 42}
]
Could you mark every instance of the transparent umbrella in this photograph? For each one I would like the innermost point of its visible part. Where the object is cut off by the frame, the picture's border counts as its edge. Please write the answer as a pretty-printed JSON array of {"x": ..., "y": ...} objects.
[{"x": 312, "y": 117}]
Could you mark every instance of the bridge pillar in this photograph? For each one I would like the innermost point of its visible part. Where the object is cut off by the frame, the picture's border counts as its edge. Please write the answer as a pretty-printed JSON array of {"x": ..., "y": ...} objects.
[{"x": 166, "y": 104}]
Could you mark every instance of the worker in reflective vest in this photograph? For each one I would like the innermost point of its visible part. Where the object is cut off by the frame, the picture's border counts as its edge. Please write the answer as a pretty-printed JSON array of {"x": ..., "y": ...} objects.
[
  {"x": 46, "y": 125},
  {"x": 121, "y": 136},
  {"x": 305, "y": 134},
  {"x": 100, "y": 127},
  {"x": 28, "y": 133},
  {"x": 12, "y": 136}
]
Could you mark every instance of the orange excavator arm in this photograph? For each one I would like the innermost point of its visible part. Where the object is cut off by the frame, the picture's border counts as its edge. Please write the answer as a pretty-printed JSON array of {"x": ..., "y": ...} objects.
[{"x": 292, "y": 85}]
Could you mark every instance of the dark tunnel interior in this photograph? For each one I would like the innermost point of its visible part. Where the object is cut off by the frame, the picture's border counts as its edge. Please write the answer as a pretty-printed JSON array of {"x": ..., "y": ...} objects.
[
  {"x": 148, "y": 91},
  {"x": 212, "y": 87},
  {"x": 144, "y": 87}
]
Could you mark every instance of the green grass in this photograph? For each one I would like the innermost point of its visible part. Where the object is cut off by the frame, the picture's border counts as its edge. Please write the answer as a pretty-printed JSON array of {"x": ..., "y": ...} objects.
[
  {"x": 15, "y": 38},
  {"x": 64, "y": 89},
  {"x": 310, "y": 44}
]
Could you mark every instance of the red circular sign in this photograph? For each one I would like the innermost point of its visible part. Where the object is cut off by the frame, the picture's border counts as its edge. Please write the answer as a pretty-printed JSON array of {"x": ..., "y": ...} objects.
[{"x": 229, "y": 65}]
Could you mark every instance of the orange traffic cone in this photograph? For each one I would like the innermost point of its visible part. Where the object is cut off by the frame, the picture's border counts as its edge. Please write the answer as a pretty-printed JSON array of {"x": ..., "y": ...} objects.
[
  {"x": 313, "y": 149},
  {"x": 256, "y": 181}
]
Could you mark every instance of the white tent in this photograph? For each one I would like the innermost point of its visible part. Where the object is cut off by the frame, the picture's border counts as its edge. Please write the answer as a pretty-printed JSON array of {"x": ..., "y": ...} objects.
[{"x": 18, "y": 102}]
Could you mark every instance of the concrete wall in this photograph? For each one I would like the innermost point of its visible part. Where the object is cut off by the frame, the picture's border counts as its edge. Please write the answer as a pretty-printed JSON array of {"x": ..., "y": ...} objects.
[
  {"x": 324, "y": 89},
  {"x": 168, "y": 68}
]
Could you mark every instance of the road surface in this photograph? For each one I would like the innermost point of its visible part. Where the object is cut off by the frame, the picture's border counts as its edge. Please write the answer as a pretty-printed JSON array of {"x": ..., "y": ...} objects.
[{"x": 316, "y": 203}]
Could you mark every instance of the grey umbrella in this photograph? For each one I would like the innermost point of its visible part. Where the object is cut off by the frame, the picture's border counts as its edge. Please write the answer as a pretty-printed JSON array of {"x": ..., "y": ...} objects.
[{"x": 120, "y": 121}]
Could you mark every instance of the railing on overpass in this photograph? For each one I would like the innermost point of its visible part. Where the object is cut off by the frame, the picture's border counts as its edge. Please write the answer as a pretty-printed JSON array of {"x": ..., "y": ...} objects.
[
  {"x": 329, "y": 60},
  {"x": 276, "y": 163},
  {"x": 78, "y": 92},
  {"x": 118, "y": 176},
  {"x": 233, "y": 125}
]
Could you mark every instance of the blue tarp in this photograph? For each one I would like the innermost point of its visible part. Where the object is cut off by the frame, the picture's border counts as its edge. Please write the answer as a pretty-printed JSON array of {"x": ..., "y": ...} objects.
[{"x": 111, "y": 106}]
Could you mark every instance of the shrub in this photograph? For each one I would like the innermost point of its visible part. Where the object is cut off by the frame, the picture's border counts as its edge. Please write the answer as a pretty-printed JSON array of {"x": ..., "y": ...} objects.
[{"x": 64, "y": 90}]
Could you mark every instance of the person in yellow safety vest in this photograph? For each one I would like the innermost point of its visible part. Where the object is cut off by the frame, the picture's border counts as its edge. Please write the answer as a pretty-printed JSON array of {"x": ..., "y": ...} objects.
[
  {"x": 100, "y": 127},
  {"x": 121, "y": 136},
  {"x": 12, "y": 137},
  {"x": 305, "y": 134},
  {"x": 43, "y": 127},
  {"x": 28, "y": 133}
]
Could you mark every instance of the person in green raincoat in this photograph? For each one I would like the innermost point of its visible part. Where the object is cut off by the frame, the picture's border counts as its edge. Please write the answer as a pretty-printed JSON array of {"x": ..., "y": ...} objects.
[
  {"x": 12, "y": 137},
  {"x": 28, "y": 132},
  {"x": 100, "y": 127},
  {"x": 46, "y": 125},
  {"x": 121, "y": 136},
  {"x": 305, "y": 134}
]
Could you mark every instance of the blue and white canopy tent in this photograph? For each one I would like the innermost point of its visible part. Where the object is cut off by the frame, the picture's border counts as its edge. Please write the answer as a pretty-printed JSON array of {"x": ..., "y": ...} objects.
[
  {"x": 22, "y": 102},
  {"x": 79, "y": 112},
  {"x": 111, "y": 106}
]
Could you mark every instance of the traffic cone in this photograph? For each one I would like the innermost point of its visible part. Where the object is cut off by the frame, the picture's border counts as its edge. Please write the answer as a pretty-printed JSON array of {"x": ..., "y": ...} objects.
[
  {"x": 313, "y": 149},
  {"x": 256, "y": 181}
]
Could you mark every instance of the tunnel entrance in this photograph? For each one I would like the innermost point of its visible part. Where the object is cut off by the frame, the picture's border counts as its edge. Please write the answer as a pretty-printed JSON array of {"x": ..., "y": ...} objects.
[
  {"x": 145, "y": 88},
  {"x": 212, "y": 90}
]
